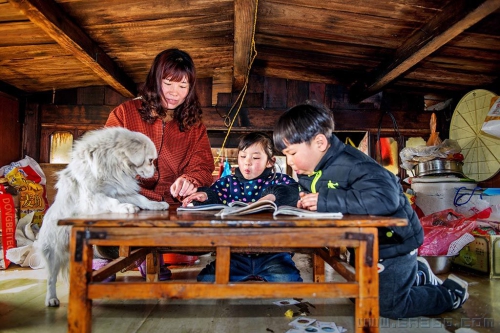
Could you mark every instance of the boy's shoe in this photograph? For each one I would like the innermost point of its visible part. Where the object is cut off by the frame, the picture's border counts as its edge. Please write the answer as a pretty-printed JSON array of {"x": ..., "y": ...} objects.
[
  {"x": 425, "y": 274},
  {"x": 457, "y": 289},
  {"x": 165, "y": 273},
  {"x": 100, "y": 263}
]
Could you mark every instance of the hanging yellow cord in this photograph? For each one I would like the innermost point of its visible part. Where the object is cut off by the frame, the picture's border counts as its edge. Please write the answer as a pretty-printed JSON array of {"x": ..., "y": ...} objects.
[{"x": 243, "y": 92}]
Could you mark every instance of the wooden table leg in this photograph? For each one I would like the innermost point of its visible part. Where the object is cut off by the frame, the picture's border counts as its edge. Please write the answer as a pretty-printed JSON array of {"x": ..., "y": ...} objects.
[
  {"x": 79, "y": 306},
  {"x": 223, "y": 264},
  {"x": 366, "y": 317},
  {"x": 152, "y": 266},
  {"x": 124, "y": 251},
  {"x": 318, "y": 268}
]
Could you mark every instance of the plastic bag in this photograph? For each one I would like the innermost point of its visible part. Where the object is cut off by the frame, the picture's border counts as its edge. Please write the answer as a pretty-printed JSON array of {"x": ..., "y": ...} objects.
[
  {"x": 471, "y": 205},
  {"x": 443, "y": 228},
  {"x": 491, "y": 123},
  {"x": 411, "y": 156},
  {"x": 28, "y": 178}
]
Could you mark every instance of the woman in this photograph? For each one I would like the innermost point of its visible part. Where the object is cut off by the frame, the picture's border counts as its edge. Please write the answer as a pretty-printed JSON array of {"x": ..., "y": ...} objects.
[{"x": 169, "y": 113}]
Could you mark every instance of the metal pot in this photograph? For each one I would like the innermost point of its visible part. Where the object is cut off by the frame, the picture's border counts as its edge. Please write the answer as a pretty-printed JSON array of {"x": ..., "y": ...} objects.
[
  {"x": 439, "y": 167},
  {"x": 439, "y": 264}
]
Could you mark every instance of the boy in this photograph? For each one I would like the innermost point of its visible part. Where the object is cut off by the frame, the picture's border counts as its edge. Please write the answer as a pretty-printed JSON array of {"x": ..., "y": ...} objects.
[{"x": 338, "y": 178}]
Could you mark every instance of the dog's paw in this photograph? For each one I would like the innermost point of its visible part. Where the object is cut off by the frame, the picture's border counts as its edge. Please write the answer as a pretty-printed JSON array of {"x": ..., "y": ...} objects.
[
  {"x": 126, "y": 208},
  {"x": 155, "y": 205},
  {"x": 52, "y": 302}
]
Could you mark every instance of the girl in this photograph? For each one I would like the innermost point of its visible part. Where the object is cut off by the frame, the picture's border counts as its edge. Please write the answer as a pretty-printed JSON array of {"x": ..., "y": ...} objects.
[{"x": 254, "y": 179}]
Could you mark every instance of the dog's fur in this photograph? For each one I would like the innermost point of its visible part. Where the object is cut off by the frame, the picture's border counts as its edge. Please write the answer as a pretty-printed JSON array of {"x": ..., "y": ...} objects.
[{"x": 101, "y": 177}]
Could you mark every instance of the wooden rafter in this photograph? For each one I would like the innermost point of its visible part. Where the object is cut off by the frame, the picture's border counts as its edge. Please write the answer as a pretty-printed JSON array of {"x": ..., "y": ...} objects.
[
  {"x": 11, "y": 90},
  {"x": 456, "y": 17},
  {"x": 244, "y": 17},
  {"x": 49, "y": 17}
]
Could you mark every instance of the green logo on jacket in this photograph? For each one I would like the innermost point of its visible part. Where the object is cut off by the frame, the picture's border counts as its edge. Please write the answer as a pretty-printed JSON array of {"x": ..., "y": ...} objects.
[{"x": 332, "y": 185}]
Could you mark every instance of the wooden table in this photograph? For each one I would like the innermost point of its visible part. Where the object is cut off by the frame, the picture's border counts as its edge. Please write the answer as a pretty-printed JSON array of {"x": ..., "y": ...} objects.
[{"x": 143, "y": 233}]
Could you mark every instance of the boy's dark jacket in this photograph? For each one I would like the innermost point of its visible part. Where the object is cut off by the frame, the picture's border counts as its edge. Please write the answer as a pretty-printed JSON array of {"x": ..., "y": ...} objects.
[{"x": 350, "y": 182}]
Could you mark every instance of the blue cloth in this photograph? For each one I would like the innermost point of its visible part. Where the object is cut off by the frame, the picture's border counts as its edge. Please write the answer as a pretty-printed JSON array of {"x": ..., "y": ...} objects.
[
  {"x": 227, "y": 169},
  {"x": 269, "y": 267}
]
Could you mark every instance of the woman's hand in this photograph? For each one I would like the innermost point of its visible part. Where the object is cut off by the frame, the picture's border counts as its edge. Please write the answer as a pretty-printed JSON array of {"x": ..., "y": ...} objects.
[
  {"x": 308, "y": 201},
  {"x": 182, "y": 188},
  {"x": 197, "y": 196}
]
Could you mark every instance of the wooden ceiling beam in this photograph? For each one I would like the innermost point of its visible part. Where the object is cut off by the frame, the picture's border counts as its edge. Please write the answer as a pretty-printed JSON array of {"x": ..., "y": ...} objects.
[
  {"x": 47, "y": 15},
  {"x": 245, "y": 12},
  {"x": 455, "y": 17},
  {"x": 11, "y": 90}
]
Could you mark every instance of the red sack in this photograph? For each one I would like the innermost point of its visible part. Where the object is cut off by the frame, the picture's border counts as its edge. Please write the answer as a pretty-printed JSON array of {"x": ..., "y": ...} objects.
[
  {"x": 441, "y": 229},
  {"x": 8, "y": 226}
]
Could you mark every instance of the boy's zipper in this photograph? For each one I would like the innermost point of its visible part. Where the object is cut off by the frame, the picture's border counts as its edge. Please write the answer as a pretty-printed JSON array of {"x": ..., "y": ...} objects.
[{"x": 317, "y": 176}]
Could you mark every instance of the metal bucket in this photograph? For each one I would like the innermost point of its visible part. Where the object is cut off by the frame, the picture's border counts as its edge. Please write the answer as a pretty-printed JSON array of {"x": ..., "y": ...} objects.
[
  {"x": 439, "y": 264},
  {"x": 439, "y": 167}
]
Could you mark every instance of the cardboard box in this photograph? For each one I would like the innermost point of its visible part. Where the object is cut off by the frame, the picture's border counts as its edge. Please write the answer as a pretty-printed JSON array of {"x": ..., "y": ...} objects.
[
  {"x": 482, "y": 255},
  {"x": 495, "y": 257}
]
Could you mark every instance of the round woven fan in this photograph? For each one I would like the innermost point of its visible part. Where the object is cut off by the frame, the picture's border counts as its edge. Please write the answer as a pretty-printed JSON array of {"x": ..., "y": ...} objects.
[{"x": 481, "y": 151}]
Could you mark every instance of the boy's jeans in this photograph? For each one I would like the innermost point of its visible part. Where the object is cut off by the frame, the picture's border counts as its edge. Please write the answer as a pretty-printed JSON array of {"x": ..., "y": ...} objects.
[
  {"x": 399, "y": 298},
  {"x": 270, "y": 267}
]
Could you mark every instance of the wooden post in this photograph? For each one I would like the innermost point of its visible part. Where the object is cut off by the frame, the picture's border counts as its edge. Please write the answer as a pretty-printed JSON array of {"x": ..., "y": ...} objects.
[
  {"x": 366, "y": 309},
  {"x": 222, "y": 266},
  {"x": 152, "y": 266},
  {"x": 79, "y": 305},
  {"x": 318, "y": 268}
]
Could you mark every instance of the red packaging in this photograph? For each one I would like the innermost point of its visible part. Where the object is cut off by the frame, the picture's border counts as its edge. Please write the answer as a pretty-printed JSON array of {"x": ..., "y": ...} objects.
[{"x": 8, "y": 217}]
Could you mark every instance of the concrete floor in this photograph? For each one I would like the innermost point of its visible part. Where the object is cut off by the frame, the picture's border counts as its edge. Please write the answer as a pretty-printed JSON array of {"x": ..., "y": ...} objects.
[{"x": 22, "y": 293}]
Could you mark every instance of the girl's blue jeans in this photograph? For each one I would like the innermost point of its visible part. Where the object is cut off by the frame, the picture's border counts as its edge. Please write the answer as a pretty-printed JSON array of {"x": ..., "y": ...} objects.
[{"x": 270, "y": 267}]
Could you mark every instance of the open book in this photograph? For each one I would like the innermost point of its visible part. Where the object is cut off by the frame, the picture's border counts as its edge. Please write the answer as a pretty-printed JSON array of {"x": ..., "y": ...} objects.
[
  {"x": 267, "y": 205},
  {"x": 210, "y": 207}
]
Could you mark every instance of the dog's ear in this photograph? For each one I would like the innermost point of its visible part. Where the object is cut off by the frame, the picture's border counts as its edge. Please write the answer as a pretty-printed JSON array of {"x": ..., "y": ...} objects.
[
  {"x": 92, "y": 161},
  {"x": 135, "y": 152}
]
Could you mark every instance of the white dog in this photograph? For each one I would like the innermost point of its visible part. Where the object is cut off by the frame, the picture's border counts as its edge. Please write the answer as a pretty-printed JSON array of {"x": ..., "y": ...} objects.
[{"x": 101, "y": 177}]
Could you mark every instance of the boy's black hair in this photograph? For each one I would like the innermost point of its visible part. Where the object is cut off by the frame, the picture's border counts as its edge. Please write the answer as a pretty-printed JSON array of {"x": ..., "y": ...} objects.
[{"x": 302, "y": 123}]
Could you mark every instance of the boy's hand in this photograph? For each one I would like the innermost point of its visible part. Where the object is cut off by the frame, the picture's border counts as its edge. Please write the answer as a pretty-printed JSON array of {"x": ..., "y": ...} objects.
[
  {"x": 198, "y": 196},
  {"x": 308, "y": 201},
  {"x": 270, "y": 197}
]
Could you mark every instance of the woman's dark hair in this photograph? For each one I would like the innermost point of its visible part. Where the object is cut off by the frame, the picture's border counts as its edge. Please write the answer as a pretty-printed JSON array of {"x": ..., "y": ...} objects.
[
  {"x": 302, "y": 123},
  {"x": 173, "y": 64},
  {"x": 261, "y": 138}
]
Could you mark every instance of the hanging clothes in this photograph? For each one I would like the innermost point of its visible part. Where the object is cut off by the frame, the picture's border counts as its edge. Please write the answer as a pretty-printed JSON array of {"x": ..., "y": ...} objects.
[{"x": 227, "y": 169}]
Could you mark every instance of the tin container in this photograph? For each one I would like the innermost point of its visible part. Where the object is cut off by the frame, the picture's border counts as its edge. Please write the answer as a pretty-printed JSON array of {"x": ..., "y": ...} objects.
[
  {"x": 439, "y": 167},
  {"x": 439, "y": 264}
]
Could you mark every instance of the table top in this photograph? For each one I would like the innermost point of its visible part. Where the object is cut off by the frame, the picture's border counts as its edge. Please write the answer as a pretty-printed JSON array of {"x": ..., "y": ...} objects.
[{"x": 174, "y": 219}]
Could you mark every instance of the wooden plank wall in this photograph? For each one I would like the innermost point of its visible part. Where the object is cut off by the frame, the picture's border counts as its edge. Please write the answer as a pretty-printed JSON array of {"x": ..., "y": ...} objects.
[
  {"x": 82, "y": 109},
  {"x": 10, "y": 130}
]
